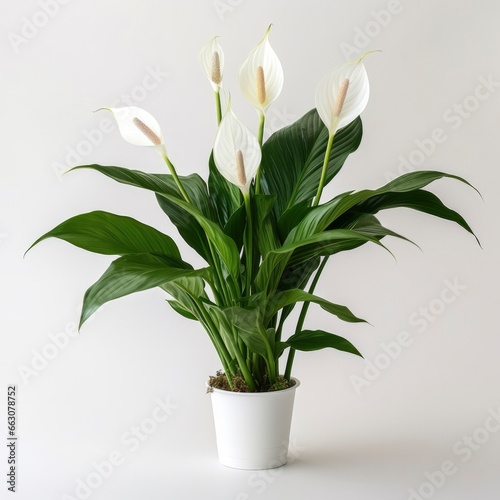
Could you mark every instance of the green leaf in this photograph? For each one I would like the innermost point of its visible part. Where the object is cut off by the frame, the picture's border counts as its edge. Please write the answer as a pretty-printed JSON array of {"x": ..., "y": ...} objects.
[
  {"x": 291, "y": 218},
  {"x": 190, "y": 230},
  {"x": 419, "y": 199},
  {"x": 164, "y": 184},
  {"x": 314, "y": 340},
  {"x": 321, "y": 217},
  {"x": 183, "y": 289},
  {"x": 292, "y": 158},
  {"x": 279, "y": 348},
  {"x": 289, "y": 297},
  {"x": 235, "y": 226},
  {"x": 249, "y": 327},
  {"x": 226, "y": 197},
  {"x": 180, "y": 309},
  {"x": 273, "y": 266},
  {"x": 265, "y": 225},
  {"x": 369, "y": 225},
  {"x": 298, "y": 275},
  {"x": 158, "y": 183},
  {"x": 130, "y": 274},
  {"x": 419, "y": 179},
  {"x": 364, "y": 224},
  {"x": 110, "y": 234},
  {"x": 225, "y": 246}
]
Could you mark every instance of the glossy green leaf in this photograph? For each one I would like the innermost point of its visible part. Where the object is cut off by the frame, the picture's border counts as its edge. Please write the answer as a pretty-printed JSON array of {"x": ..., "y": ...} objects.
[
  {"x": 364, "y": 224},
  {"x": 183, "y": 290},
  {"x": 314, "y": 340},
  {"x": 368, "y": 224},
  {"x": 289, "y": 297},
  {"x": 130, "y": 274},
  {"x": 164, "y": 184},
  {"x": 291, "y": 218},
  {"x": 419, "y": 199},
  {"x": 225, "y": 246},
  {"x": 110, "y": 234},
  {"x": 180, "y": 309},
  {"x": 226, "y": 197},
  {"x": 235, "y": 226},
  {"x": 275, "y": 263},
  {"x": 298, "y": 275},
  {"x": 265, "y": 224},
  {"x": 249, "y": 327},
  {"x": 292, "y": 158},
  {"x": 190, "y": 230},
  {"x": 321, "y": 217}
]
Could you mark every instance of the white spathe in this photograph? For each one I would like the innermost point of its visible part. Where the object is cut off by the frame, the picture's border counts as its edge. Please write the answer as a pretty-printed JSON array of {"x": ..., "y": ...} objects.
[
  {"x": 342, "y": 95},
  {"x": 261, "y": 75},
  {"x": 137, "y": 126},
  {"x": 211, "y": 59},
  {"x": 237, "y": 153}
]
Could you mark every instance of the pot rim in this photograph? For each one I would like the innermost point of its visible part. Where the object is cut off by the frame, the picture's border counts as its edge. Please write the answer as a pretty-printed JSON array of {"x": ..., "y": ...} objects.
[{"x": 222, "y": 391}]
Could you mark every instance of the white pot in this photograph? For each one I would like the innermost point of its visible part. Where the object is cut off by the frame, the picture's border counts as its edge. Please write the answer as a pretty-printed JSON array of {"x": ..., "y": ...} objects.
[{"x": 253, "y": 428}]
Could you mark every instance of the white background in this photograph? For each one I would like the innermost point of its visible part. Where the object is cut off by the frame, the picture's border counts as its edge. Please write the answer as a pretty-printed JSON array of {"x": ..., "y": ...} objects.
[{"x": 377, "y": 442}]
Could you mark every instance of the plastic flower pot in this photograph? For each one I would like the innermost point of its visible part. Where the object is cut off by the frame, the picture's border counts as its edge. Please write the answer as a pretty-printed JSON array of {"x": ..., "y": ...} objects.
[{"x": 253, "y": 428}]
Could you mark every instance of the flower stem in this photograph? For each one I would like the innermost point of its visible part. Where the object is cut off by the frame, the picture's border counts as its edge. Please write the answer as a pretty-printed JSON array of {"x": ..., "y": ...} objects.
[
  {"x": 241, "y": 361},
  {"x": 260, "y": 137},
  {"x": 324, "y": 170},
  {"x": 216, "y": 339},
  {"x": 248, "y": 244},
  {"x": 218, "y": 106},
  {"x": 175, "y": 177},
  {"x": 302, "y": 317}
]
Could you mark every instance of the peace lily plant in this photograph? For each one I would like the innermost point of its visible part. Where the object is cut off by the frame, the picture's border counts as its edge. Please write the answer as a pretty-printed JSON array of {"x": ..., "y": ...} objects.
[{"x": 259, "y": 222}]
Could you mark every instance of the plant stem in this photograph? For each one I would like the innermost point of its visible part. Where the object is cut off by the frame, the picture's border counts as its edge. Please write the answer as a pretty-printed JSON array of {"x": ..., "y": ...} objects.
[
  {"x": 260, "y": 137},
  {"x": 222, "y": 290},
  {"x": 213, "y": 333},
  {"x": 218, "y": 106},
  {"x": 244, "y": 369},
  {"x": 279, "y": 329},
  {"x": 175, "y": 177},
  {"x": 262, "y": 121},
  {"x": 302, "y": 317},
  {"x": 305, "y": 306},
  {"x": 271, "y": 366},
  {"x": 248, "y": 244},
  {"x": 256, "y": 366},
  {"x": 324, "y": 170},
  {"x": 232, "y": 341}
]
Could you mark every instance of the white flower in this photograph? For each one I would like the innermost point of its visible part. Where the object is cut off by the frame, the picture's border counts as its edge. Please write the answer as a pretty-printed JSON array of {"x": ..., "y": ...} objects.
[
  {"x": 137, "y": 126},
  {"x": 211, "y": 59},
  {"x": 342, "y": 95},
  {"x": 261, "y": 75},
  {"x": 237, "y": 152}
]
